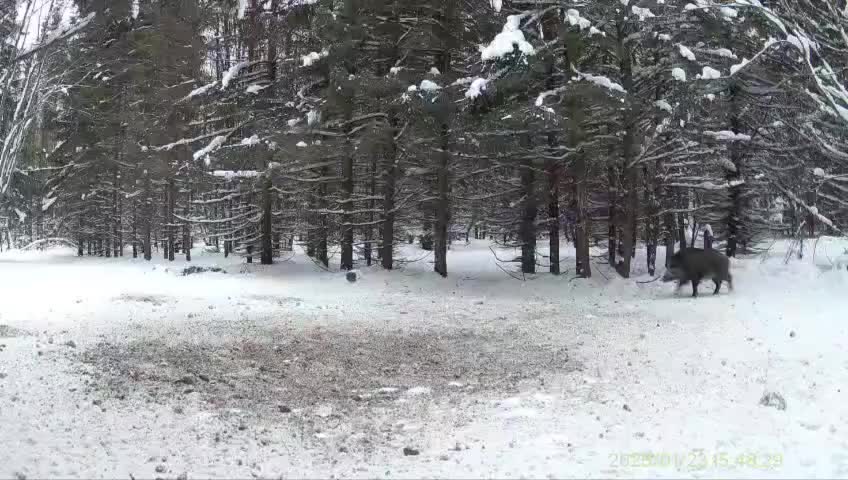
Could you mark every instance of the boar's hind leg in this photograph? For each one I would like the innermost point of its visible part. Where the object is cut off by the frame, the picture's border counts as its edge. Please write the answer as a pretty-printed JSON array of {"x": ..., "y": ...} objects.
[
  {"x": 680, "y": 285},
  {"x": 695, "y": 287},
  {"x": 718, "y": 286}
]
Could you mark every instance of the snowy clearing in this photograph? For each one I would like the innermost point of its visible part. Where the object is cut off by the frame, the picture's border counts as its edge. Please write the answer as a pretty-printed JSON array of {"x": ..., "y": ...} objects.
[{"x": 118, "y": 368}]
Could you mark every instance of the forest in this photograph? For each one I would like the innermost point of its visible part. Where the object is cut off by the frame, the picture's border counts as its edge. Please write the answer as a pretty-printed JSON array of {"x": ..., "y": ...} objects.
[
  {"x": 350, "y": 127},
  {"x": 423, "y": 239}
]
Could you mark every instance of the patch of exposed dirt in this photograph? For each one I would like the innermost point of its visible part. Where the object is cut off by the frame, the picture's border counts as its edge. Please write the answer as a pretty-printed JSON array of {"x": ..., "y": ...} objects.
[
  {"x": 275, "y": 299},
  {"x": 156, "y": 301},
  {"x": 318, "y": 377},
  {"x": 7, "y": 331}
]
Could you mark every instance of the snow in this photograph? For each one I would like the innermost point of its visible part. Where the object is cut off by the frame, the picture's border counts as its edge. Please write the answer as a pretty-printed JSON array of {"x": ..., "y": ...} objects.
[
  {"x": 312, "y": 57},
  {"x": 663, "y": 105},
  {"x": 710, "y": 96},
  {"x": 735, "y": 68},
  {"x": 429, "y": 86},
  {"x": 395, "y": 70},
  {"x": 301, "y": 144},
  {"x": 435, "y": 71},
  {"x": 710, "y": 73},
  {"x": 819, "y": 172},
  {"x": 201, "y": 90},
  {"x": 729, "y": 13},
  {"x": 678, "y": 74},
  {"x": 231, "y": 174},
  {"x": 292, "y": 122},
  {"x": 722, "y": 52},
  {"x": 255, "y": 89},
  {"x": 727, "y": 135},
  {"x": 213, "y": 145},
  {"x": 507, "y": 40},
  {"x": 242, "y": 8},
  {"x": 664, "y": 37},
  {"x": 21, "y": 214},
  {"x": 251, "y": 141},
  {"x": 601, "y": 81},
  {"x": 575, "y": 19},
  {"x": 526, "y": 379},
  {"x": 642, "y": 13},
  {"x": 47, "y": 202},
  {"x": 478, "y": 86},
  {"x": 686, "y": 53},
  {"x": 313, "y": 117},
  {"x": 232, "y": 73},
  {"x": 800, "y": 42},
  {"x": 496, "y": 4}
]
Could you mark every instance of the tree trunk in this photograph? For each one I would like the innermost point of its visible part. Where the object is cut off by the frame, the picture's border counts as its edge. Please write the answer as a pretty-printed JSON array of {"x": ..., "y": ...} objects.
[
  {"x": 134, "y": 229},
  {"x": 267, "y": 256},
  {"x": 669, "y": 229},
  {"x": 651, "y": 220},
  {"x": 390, "y": 172},
  {"x": 581, "y": 229},
  {"x": 187, "y": 242},
  {"x": 347, "y": 206},
  {"x": 630, "y": 147},
  {"x": 368, "y": 231},
  {"x": 116, "y": 214},
  {"x": 527, "y": 230},
  {"x": 613, "y": 217},
  {"x": 321, "y": 246},
  {"x": 80, "y": 245},
  {"x": 172, "y": 193},
  {"x": 735, "y": 211},
  {"x": 442, "y": 214},
  {"x": 811, "y": 219},
  {"x": 553, "y": 217}
]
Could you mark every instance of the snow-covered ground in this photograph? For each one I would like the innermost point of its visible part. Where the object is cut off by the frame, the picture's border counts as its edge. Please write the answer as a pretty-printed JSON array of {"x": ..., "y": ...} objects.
[{"x": 124, "y": 368}]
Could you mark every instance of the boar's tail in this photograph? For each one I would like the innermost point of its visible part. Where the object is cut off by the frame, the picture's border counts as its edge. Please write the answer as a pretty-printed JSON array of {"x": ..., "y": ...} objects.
[{"x": 650, "y": 281}]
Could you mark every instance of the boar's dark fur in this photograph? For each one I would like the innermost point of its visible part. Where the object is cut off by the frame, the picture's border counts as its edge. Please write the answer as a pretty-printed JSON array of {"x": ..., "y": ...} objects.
[{"x": 694, "y": 265}]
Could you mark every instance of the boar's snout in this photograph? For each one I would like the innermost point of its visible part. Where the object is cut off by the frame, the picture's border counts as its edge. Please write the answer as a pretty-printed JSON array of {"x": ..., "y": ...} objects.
[{"x": 668, "y": 276}]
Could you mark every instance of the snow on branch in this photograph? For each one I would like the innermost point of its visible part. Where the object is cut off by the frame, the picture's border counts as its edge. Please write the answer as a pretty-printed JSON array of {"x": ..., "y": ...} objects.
[
  {"x": 831, "y": 86},
  {"x": 232, "y": 73},
  {"x": 540, "y": 100},
  {"x": 313, "y": 57},
  {"x": 199, "y": 91},
  {"x": 478, "y": 86},
  {"x": 188, "y": 141},
  {"x": 707, "y": 185},
  {"x": 686, "y": 52},
  {"x": 727, "y": 136},
  {"x": 601, "y": 81},
  {"x": 231, "y": 174},
  {"x": 215, "y": 144},
  {"x": 504, "y": 43},
  {"x": 814, "y": 211}
]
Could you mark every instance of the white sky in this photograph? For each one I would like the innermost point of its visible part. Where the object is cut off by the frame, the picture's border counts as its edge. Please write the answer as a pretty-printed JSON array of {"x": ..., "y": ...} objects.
[{"x": 37, "y": 12}]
